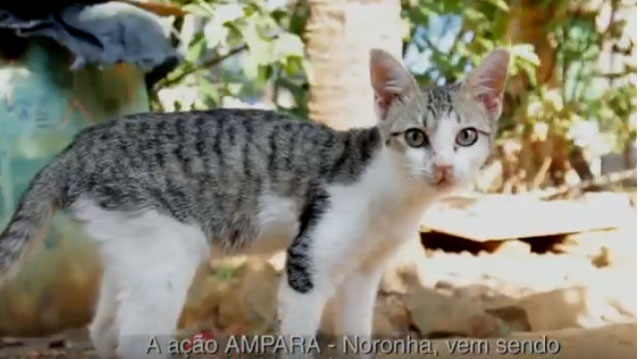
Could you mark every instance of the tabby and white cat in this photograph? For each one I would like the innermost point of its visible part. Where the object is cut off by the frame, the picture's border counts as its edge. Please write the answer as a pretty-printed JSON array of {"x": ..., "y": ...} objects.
[{"x": 161, "y": 192}]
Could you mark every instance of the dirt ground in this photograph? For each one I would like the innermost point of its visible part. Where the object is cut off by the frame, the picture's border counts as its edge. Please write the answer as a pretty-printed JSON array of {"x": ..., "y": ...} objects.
[
  {"x": 577, "y": 289},
  {"x": 614, "y": 341}
]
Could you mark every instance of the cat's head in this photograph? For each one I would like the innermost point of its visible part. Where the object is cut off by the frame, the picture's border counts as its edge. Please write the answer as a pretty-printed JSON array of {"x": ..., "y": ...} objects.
[{"x": 439, "y": 136}]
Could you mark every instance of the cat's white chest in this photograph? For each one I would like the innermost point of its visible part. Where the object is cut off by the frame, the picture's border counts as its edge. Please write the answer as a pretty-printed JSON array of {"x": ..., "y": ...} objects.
[
  {"x": 369, "y": 221},
  {"x": 386, "y": 232}
]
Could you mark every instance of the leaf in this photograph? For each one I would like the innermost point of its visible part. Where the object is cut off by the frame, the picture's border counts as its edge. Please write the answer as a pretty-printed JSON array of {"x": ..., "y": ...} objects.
[
  {"x": 259, "y": 48},
  {"x": 215, "y": 33},
  {"x": 525, "y": 52},
  {"x": 451, "y": 7},
  {"x": 554, "y": 97},
  {"x": 474, "y": 15},
  {"x": 500, "y": 4},
  {"x": 541, "y": 130},
  {"x": 234, "y": 88},
  {"x": 229, "y": 12},
  {"x": 197, "y": 9},
  {"x": 288, "y": 45},
  {"x": 209, "y": 90},
  {"x": 250, "y": 68},
  {"x": 293, "y": 65},
  {"x": 196, "y": 49}
]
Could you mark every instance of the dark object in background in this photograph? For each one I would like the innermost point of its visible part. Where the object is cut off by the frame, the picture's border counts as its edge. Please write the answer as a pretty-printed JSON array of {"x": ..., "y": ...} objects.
[
  {"x": 11, "y": 46},
  {"x": 95, "y": 32},
  {"x": 35, "y": 9}
]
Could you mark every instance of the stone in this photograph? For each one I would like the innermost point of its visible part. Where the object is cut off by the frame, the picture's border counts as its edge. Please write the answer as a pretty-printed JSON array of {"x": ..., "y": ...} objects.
[
  {"x": 513, "y": 247},
  {"x": 572, "y": 307},
  {"x": 514, "y": 317},
  {"x": 258, "y": 294},
  {"x": 483, "y": 216},
  {"x": 603, "y": 248},
  {"x": 437, "y": 315},
  {"x": 391, "y": 316}
]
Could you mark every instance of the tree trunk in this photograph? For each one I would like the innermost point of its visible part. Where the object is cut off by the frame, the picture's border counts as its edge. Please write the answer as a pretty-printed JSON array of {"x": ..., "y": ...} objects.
[
  {"x": 340, "y": 34},
  {"x": 529, "y": 22}
]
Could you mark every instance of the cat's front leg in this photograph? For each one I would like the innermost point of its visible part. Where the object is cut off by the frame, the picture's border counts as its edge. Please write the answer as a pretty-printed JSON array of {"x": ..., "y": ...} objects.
[
  {"x": 306, "y": 285},
  {"x": 355, "y": 303},
  {"x": 313, "y": 259},
  {"x": 299, "y": 315}
]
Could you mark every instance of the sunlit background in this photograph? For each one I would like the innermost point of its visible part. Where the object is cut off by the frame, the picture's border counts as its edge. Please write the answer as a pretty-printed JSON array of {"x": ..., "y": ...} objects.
[{"x": 545, "y": 243}]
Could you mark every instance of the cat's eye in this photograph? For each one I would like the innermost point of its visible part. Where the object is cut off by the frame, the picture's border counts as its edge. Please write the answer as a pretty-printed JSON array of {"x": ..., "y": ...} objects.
[
  {"x": 467, "y": 137},
  {"x": 415, "y": 138}
]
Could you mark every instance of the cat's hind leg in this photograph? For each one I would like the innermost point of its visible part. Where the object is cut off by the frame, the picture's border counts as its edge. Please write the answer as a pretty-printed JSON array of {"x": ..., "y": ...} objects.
[
  {"x": 102, "y": 330},
  {"x": 152, "y": 258}
]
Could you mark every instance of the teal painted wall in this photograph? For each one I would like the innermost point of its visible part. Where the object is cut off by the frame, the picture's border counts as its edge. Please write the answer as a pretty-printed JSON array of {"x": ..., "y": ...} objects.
[{"x": 42, "y": 106}]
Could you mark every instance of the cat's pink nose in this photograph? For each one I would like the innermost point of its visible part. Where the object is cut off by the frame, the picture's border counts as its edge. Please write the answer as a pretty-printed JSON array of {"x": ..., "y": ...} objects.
[{"x": 443, "y": 172}]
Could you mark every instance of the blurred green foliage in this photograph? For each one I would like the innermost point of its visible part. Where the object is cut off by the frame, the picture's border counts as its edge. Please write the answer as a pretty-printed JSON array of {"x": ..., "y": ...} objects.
[
  {"x": 252, "y": 52},
  {"x": 238, "y": 50}
]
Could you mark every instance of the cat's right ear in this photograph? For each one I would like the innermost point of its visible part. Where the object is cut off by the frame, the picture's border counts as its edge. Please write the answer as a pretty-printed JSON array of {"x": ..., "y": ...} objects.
[{"x": 389, "y": 79}]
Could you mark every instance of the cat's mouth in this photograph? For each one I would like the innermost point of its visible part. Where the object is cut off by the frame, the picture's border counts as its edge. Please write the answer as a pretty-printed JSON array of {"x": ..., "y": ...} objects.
[{"x": 443, "y": 183}]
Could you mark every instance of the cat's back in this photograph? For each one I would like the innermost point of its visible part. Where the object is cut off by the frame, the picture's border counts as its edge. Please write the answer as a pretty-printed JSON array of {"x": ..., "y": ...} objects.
[
  {"x": 176, "y": 126},
  {"x": 222, "y": 153},
  {"x": 181, "y": 136}
]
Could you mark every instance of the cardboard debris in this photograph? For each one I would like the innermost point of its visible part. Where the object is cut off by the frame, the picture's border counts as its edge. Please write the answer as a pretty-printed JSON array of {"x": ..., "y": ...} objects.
[{"x": 500, "y": 217}]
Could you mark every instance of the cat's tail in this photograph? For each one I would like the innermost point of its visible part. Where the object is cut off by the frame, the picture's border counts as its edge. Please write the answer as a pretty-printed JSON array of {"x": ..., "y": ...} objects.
[{"x": 31, "y": 218}]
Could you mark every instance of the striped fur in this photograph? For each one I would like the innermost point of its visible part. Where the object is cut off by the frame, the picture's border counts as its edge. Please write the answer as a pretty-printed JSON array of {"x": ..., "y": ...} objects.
[{"x": 158, "y": 191}]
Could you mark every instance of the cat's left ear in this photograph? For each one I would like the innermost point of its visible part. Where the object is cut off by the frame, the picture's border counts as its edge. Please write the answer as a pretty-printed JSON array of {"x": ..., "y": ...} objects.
[{"x": 486, "y": 83}]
